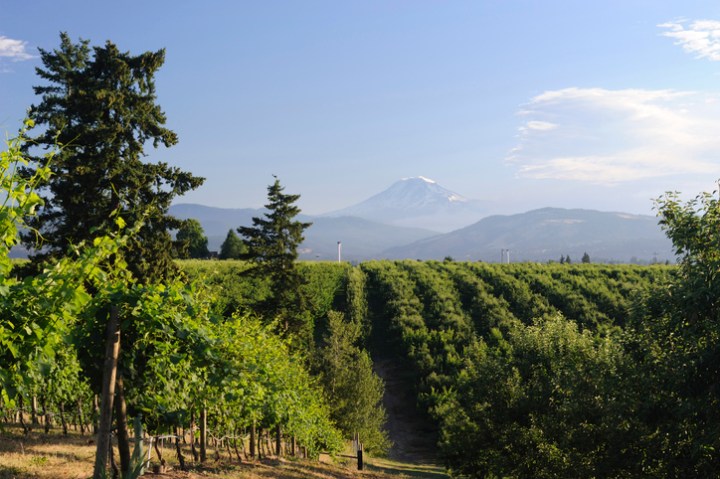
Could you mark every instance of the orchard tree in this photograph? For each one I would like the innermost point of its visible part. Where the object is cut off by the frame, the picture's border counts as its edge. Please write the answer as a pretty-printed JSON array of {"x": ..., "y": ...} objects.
[
  {"x": 99, "y": 105},
  {"x": 540, "y": 401},
  {"x": 232, "y": 247},
  {"x": 357, "y": 392},
  {"x": 682, "y": 339},
  {"x": 191, "y": 239},
  {"x": 272, "y": 243}
]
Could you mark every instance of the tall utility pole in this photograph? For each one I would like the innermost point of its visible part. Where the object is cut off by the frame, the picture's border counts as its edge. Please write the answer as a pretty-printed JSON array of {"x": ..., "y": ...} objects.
[{"x": 339, "y": 251}]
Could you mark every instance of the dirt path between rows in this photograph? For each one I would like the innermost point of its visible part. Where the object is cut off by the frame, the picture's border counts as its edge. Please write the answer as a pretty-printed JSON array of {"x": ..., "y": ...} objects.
[{"x": 413, "y": 437}]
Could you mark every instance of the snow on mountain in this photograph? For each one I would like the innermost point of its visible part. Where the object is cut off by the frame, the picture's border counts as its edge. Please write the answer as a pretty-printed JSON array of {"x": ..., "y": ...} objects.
[{"x": 417, "y": 202}]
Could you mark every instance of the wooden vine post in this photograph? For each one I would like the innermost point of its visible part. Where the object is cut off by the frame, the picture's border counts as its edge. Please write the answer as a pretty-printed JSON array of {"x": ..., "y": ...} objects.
[
  {"x": 252, "y": 440},
  {"x": 123, "y": 435},
  {"x": 203, "y": 434},
  {"x": 112, "y": 350},
  {"x": 278, "y": 441}
]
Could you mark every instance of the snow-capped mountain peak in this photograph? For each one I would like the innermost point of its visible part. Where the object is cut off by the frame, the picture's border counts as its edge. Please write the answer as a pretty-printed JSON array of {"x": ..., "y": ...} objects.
[
  {"x": 416, "y": 201},
  {"x": 423, "y": 178}
]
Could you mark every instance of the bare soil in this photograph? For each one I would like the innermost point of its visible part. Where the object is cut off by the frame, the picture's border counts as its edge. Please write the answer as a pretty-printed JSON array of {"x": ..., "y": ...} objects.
[{"x": 414, "y": 440}]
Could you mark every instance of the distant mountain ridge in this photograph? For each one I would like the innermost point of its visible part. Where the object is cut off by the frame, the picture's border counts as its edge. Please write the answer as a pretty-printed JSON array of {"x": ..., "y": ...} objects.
[
  {"x": 362, "y": 239},
  {"x": 539, "y": 235},
  {"x": 546, "y": 234},
  {"x": 417, "y": 202}
]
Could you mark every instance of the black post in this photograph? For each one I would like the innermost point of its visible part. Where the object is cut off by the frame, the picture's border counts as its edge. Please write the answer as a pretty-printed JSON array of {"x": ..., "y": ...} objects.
[{"x": 360, "y": 456}]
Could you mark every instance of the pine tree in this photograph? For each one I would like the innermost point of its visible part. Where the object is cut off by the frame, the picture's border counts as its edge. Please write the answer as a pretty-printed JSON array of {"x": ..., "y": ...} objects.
[
  {"x": 272, "y": 243},
  {"x": 99, "y": 106},
  {"x": 585, "y": 258},
  {"x": 232, "y": 247}
]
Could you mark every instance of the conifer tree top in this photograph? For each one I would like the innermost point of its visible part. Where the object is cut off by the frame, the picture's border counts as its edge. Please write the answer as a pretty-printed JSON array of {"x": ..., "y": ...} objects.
[{"x": 99, "y": 105}]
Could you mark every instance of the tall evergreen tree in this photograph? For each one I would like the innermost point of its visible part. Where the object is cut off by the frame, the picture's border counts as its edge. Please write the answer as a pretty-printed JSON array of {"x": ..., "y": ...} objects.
[
  {"x": 99, "y": 105},
  {"x": 272, "y": 243}
]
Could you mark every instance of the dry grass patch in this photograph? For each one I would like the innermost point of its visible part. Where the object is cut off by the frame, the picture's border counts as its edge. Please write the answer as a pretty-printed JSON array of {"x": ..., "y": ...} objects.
[
  {"x": 41, "y": 456},
  {"x": 54, "y": 456}
]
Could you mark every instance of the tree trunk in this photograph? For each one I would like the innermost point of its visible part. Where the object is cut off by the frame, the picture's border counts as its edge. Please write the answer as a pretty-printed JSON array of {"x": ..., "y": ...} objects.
[
  {"x": 278, "y": 441},
  {"x": 178, "y": 451},
  {"x": 192, "y": 436},
  {"x": 203, "y": 434},
  {"x": 112, "y": 351},
  {"x": 227, "y": 447},
  {"x": 264, "y": 443},
  {"x": 33, "y": 411},
  {"x": 81, "y": 417},
  {"x": 96, "y": 414},
  {"x": 21, "y": 415},
  {"x": 123, "y": 436},
  {"x": 46, "y": 414},
  {"x": 237, "y": 453},
  {"x": 159, "y": 451},
  {"x": 113, "y": 466},
  {"x": 242, "y": 448},
  {"x": 61, "y": 406},
  {"x": 252, "y": 440}
]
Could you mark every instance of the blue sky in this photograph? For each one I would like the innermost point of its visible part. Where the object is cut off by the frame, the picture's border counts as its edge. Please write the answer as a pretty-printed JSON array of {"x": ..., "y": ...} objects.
[{"x": 522, "y": 103}]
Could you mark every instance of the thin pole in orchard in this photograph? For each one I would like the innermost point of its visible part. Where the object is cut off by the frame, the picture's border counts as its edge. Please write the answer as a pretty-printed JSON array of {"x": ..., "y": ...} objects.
[
  {"x": 112, "y": 350},
  {"x": 203, "y": 433}
]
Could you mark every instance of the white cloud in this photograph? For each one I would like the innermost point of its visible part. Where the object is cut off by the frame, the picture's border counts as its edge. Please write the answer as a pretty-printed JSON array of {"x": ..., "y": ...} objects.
[
  {"x": 700, "y": 37},
  {"x": 13, "y": 49},
  {"x": 540, "y": 125},
  {"x": 615, "y": 136}
]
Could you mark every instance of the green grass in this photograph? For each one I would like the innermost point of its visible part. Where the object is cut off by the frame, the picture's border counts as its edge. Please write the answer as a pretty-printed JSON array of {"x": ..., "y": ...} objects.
[{"x": 415, "y": 471}]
